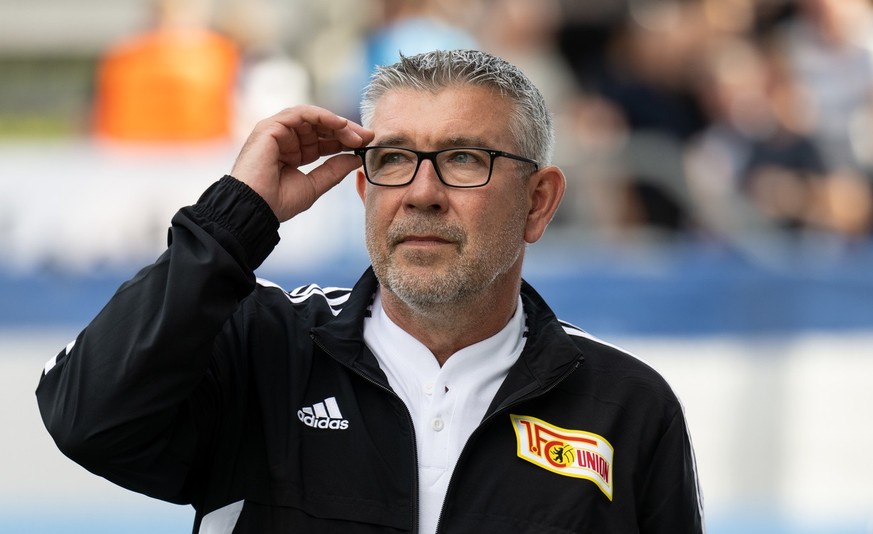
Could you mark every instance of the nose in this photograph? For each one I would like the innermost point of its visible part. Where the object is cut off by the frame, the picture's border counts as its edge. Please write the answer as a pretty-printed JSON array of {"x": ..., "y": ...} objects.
[{"x": 426, "y": 192}]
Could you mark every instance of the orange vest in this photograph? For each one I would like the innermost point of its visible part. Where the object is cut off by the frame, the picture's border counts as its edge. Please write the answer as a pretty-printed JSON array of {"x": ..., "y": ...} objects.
[{"x": 167, "y": 85}]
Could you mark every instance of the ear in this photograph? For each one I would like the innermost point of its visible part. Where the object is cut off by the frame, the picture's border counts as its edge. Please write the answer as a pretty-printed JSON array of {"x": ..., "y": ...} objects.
[
  {"x": 361, "y": 185},
  {"x": 545, "y": 191}
]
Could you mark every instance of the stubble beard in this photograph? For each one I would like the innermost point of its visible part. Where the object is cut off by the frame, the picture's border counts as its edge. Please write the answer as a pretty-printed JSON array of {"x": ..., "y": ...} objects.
[{"x": 475, "y": 267}]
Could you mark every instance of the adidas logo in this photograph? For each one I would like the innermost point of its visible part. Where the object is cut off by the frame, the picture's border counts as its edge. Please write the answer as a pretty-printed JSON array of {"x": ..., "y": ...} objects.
[{"x": 325, "y": 414}]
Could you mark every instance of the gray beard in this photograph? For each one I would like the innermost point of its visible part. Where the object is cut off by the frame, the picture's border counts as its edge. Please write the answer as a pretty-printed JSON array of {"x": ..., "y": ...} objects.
[{"x": 467, "y": 277}]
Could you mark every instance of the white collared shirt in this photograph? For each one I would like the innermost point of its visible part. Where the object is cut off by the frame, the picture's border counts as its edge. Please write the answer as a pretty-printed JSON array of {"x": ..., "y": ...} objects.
[{"x": 446, "y": 403}]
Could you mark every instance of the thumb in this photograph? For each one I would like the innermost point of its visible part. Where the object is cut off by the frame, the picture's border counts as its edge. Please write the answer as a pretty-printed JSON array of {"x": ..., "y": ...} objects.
[{"x": 332, "y": 171}]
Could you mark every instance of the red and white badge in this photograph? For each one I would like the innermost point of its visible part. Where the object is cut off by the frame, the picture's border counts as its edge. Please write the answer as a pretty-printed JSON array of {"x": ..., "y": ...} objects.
[{"x": 571, "y": 453}]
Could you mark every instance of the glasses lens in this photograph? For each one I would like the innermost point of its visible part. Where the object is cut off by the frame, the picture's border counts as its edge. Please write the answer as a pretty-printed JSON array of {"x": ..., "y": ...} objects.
[
  {"x": 390, "y": 166},
  {"x": 458, "y": 167},
  {"x": 465, "y": 167}
]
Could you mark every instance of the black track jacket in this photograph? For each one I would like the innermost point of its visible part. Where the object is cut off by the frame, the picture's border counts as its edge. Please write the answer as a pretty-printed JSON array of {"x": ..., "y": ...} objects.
[{"x": 266, "y": 411}]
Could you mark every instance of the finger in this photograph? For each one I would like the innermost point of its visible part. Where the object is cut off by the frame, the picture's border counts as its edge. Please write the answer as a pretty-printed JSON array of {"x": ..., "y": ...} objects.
[
  {"x": 328, "y": 147},
  {"x": 311, "y": 122},
  {"x": 332, "y": 171},
  {"x": 304, "y": 119},
  {"x": 308, "y": 146},
  {"x": 325, "y": 148},
  {"x": 313, "y": 115},
  {"x": 308, "y": 154},
  {"x": 353, "y": 135}
]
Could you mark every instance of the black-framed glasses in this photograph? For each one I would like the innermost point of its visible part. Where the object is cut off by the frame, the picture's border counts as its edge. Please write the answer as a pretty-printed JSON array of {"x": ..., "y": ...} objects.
[{"x": 464, "y": 167}]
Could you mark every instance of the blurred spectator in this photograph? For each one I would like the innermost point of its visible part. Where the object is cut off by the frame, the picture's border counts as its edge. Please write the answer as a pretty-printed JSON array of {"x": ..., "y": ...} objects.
[
  {"x": 643, "y": 94},
  {"x": 768, "y": 14},
  {"x": 624, "y": 184},
  {"x": 173, "y": 82},
  {"x": 584, "y": 34},
  {"x": 756, "y": 168},
  {"x": 828, "y": 45},
  {"x": 754, "y": 149},
  {"x": 526, "y": 34},
  {"x": 648, "y": 68},
  {"x": 269, "y": 79},
  {"x": 406, "y": 27},
  {"x": 844, "y": 206},
  {"x": 588, "y": 148},
  {"x": 327, "y": 37},
  {"x": 409, "y": 27}
]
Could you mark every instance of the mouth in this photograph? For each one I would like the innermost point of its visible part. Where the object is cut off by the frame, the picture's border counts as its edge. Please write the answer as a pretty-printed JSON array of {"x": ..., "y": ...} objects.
[
  {"x": 423, "y": 240},
  {"x": 422, "y": 234}
]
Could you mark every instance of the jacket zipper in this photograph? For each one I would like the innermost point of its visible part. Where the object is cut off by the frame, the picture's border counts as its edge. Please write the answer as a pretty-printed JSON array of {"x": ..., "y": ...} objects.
[
  {"x": 499, "y": 411},
  {"x": 380, "y": 385}
]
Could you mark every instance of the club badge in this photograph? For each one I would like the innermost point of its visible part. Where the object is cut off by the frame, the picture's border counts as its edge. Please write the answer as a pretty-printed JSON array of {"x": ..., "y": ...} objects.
[{"x": 571, "y": 453}]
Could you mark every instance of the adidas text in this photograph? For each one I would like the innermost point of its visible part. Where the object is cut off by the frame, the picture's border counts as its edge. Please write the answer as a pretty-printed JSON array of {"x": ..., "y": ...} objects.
[{"x": 323, "y": 415}]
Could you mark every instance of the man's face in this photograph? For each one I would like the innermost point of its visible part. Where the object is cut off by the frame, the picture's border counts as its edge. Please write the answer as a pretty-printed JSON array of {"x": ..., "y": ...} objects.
[{"x": 430, "y": 243}]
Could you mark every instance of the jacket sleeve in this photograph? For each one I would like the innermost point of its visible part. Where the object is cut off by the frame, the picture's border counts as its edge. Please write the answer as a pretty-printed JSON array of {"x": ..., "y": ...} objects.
[
  {"x": 671, "y": 501},
  {"x": 132, "y": 398}
]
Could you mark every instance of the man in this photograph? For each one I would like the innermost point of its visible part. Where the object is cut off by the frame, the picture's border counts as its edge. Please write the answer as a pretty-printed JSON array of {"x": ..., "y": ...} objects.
[{"x": 439, "y": 395}]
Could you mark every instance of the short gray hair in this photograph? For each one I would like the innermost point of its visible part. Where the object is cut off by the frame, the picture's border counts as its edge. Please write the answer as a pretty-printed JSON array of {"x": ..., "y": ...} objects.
[{"x": 530, "y": 124}]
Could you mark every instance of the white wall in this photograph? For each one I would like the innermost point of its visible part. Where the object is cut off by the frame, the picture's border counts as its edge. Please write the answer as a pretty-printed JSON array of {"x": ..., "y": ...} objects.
[{"x": 781, "y": 425}]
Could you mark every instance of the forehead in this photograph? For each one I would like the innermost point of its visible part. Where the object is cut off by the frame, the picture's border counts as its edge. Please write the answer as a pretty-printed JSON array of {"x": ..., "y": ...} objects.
[{"x": 423, "y": 118}]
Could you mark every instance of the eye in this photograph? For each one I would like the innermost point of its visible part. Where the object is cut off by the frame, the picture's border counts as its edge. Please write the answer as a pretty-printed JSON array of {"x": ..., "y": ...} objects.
[
  {"x": 467, "y": 157},
  {"x": 394, "y": 157}
]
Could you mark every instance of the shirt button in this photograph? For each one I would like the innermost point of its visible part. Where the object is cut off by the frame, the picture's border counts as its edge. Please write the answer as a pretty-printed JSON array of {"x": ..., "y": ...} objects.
[
  {"x": 437, "y": 424},
  {"x": 428, "y": 389}
]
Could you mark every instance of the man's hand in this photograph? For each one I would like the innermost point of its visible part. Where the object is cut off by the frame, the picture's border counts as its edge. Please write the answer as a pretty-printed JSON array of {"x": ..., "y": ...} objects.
[{"x": 279, "y": 145}]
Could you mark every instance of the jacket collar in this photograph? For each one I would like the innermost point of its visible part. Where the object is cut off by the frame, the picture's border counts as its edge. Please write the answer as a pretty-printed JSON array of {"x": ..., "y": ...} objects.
[
  {"x": 343, "y": 336},
  {"x": 548, "y": 355}
]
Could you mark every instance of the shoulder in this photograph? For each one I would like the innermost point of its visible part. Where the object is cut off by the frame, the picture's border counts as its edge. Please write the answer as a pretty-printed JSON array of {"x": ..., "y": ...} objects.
[
  {"x": 615, "y": 369},
  {"x": 310, "y": 297},
  {"x": 307, "y": 295}
]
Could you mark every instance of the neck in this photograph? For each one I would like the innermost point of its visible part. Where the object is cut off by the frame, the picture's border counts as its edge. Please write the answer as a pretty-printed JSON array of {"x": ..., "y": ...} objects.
[{"x": 447, "y": 328}]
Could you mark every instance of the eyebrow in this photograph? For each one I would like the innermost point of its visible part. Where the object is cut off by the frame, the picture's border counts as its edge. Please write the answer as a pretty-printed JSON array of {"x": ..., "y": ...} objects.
[
  {"x": 451, "y": 142},
  {"x": 392, "y": 140}
]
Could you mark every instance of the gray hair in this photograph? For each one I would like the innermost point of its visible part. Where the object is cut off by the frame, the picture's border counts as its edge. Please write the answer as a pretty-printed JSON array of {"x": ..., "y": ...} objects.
[{"x": 530, "y": 122}]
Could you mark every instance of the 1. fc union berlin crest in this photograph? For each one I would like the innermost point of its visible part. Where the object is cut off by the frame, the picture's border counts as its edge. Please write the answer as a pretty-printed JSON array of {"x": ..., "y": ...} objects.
[{"x": 571, "y": 453}]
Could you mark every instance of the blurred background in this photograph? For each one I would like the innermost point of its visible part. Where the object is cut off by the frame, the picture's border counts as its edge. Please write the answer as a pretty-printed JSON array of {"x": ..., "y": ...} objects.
[{"x": 718, "y": 220}]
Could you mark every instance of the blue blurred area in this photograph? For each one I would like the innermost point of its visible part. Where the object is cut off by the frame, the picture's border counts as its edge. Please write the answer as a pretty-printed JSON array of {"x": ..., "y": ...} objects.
[
  {"x": 178, "y": 520},
  {"x": 687, "y": 290},
  {"x": 691, "y": 289},
  {"x": 772, "y": 524},
  {"x": 173, "y": 519}
]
